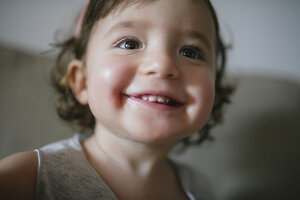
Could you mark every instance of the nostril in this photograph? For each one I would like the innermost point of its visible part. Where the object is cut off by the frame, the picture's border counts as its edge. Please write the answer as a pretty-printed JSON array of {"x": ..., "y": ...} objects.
[
  {"x": 150, "y": 73},
  {"x": 163, "y": 71},
  {"x": 170, "y": 75}
]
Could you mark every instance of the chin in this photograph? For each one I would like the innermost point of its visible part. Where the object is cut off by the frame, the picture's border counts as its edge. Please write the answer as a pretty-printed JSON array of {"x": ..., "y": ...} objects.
[{"x": 158, "y": 137}]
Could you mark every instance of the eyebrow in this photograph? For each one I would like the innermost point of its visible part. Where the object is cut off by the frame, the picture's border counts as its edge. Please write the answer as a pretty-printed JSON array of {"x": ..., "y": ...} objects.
[
  {"x": 198, "y": 35},
  {"x": 123, "y": 25}
]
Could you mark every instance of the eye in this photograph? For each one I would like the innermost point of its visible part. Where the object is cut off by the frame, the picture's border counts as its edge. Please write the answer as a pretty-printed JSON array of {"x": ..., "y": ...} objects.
[
  {"x": 192, "y": 53},
  {"x": 128, "y": 43}
]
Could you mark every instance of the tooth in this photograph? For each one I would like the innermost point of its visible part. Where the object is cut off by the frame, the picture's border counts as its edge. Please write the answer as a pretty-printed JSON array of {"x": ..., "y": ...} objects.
[
  {"x": 145, "y": 98},
  {"x": 161, "y": 99},
  {"x": 152, "y": 98}
]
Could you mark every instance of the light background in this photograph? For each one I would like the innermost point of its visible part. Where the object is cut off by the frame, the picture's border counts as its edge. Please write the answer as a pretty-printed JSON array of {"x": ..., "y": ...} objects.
[{"x": 264, "y": 33}]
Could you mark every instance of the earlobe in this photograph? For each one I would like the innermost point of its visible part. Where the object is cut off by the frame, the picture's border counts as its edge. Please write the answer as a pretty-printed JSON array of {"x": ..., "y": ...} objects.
[{"x": 77, "y": 81}]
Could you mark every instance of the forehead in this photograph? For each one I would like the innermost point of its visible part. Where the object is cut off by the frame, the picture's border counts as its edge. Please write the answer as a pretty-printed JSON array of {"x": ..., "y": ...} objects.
[
  {"x": 185, "y": 12},
  {"x": 120, "y": 5},
  {"x": 177, "y": 18}
]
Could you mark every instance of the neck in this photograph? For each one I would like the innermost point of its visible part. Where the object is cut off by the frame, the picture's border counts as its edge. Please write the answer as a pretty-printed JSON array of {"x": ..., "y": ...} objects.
[
  {"x": 143, "y": 167},
  {"x": 135, "y": 157}
]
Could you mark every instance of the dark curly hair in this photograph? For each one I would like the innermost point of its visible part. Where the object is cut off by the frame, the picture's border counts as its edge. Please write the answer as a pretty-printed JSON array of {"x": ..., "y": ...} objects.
[{"x": 70, "y": 110}]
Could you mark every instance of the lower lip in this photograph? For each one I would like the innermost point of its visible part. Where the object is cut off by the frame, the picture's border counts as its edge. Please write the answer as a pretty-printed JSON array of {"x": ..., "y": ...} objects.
[{"x": 155, "y": 106}]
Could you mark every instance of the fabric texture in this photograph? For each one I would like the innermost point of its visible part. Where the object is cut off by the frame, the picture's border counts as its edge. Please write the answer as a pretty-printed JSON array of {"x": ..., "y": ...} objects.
[{"x": 65, "y": 173}]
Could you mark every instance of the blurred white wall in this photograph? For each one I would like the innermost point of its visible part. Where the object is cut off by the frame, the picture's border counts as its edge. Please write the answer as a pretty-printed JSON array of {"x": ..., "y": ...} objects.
[
  {"x": 264, "y": 33},
  {"x": 31, "y": 24},
  {"x": 265, "y": 36}
]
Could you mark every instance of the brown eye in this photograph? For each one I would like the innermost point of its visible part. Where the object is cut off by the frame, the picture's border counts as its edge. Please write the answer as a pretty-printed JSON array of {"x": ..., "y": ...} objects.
[
  {"x": 192, "y": 53},
  {"x": 129, "y": 44}
]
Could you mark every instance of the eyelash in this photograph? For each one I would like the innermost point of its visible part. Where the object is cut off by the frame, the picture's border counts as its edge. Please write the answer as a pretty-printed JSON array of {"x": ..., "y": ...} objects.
[
  {"x": 197, "y": 53},
  {"x": 123, "y": 41}
]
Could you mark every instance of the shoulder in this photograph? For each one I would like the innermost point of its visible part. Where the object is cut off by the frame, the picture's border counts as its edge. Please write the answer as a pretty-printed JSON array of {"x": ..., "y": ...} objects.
[
  {"x": 17, "y": 175},
  {"x": 65, "y": 173}
]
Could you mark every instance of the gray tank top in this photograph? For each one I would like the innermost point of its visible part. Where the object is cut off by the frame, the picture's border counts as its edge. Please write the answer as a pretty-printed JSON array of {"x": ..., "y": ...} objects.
[{"x": 65, "y": 173}]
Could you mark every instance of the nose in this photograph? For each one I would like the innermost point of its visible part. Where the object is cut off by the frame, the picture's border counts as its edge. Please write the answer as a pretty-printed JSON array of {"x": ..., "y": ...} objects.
[{"x": 160, "y": 63}]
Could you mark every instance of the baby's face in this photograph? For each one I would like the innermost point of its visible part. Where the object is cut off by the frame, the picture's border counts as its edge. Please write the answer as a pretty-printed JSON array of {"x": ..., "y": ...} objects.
[{"x": 151, "y": 70}]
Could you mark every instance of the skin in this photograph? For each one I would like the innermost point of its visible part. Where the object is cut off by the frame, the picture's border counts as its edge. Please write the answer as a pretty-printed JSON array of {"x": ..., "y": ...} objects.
[
  {"x": 133, "y": 137},
  {"x": 17, "y": 176}
]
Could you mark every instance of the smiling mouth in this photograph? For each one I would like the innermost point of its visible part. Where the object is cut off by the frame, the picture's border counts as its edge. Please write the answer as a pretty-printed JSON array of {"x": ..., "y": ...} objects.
[{"x": 156, "y": 99}]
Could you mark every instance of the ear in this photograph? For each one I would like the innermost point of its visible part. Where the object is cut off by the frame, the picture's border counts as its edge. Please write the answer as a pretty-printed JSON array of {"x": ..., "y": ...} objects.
[{"x": 77, "y": 80}]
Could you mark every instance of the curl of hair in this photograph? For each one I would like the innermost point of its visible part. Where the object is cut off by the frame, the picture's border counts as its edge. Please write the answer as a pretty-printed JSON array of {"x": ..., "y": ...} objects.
[{"x": 70, "y": 110}]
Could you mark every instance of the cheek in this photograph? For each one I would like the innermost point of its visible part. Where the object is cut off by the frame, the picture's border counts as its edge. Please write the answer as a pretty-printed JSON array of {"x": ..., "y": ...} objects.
[
  {"x": 201, "y": 93},
  {"x": 106, "y": 82}
]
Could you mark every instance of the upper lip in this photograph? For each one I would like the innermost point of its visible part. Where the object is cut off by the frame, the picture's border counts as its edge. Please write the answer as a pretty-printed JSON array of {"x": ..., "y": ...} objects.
[{"x": 156, "y": 93}]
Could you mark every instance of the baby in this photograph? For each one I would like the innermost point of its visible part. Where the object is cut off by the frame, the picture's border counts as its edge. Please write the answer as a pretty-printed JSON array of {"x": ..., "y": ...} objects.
[{"x": 143, "y": 75}]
